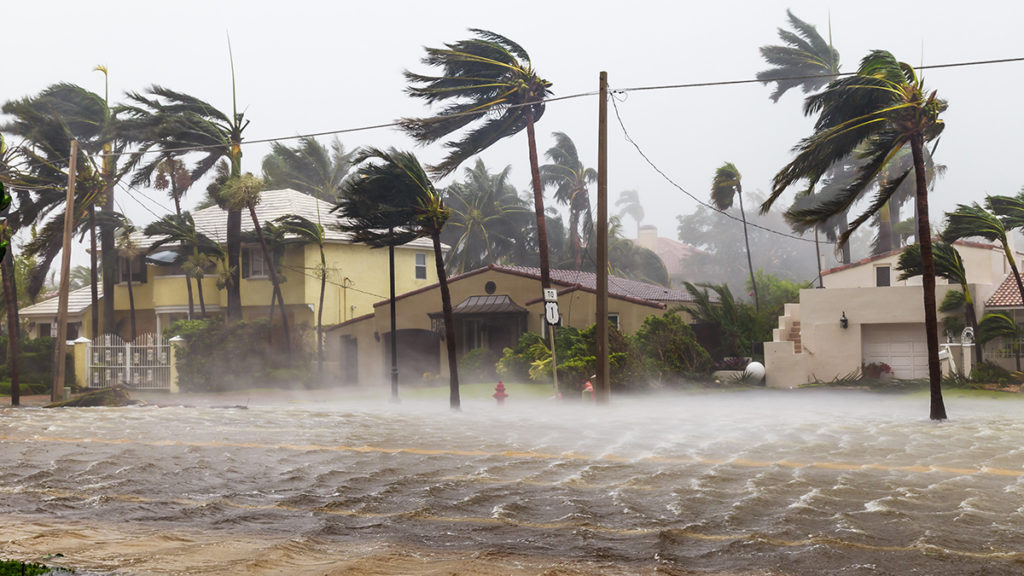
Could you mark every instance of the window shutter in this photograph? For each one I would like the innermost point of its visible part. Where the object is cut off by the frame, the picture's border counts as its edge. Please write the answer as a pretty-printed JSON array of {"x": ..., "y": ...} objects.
[{"x": 245, "y": 263}]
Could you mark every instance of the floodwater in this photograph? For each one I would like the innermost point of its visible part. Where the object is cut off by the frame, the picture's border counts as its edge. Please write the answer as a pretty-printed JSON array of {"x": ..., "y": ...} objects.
[{"x": 753, "y": 483}]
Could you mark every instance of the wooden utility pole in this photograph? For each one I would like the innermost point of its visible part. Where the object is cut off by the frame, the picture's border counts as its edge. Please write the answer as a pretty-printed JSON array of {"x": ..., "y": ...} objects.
[
  {"x": 603, "y": 391},
  {"x": 59, "y": 348}
]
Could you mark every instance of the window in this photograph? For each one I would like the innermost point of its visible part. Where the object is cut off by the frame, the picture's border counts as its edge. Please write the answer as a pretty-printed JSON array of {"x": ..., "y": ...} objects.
[
  {"x": 253, "y": 265},
  {"x": 613, "y": 320},
  {"x": 421, "y": 266},
  {"x": 882, "y": 276},
  {"x": 137, "y": 266}
]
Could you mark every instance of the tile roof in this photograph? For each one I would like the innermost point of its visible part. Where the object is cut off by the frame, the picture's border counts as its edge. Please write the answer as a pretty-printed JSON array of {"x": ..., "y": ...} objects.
[
  {"x": 78, "y": 302},
  {"x": 212, "y": 221},
  {"x": 1006, "y": 296}
]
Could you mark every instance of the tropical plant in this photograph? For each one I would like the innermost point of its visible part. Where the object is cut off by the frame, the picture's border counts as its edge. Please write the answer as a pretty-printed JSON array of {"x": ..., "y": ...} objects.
[
  {"x": 727, "y": 185},
  {"x": 569, "y": 177},
  {"x": 487, "y": 219},
  {"x": 673, "y": 346},
  {"x": 391, "y": 201},
  {"x": 881, "y": 108},
  {"x": 629, "y": 200},
  {"x": 197, "y": 249},
  {"x": 998, "y": 325},
  {"x": 244, "y": 192},
  {"x": 130, "y": 249},
  {"x": 168, "y": 125},
  {"x": 491, "y": 85},
  {"x": 312, "y": 232},
  {"x": 948, "y": 265},
  {"x": 309, "y": 167}
]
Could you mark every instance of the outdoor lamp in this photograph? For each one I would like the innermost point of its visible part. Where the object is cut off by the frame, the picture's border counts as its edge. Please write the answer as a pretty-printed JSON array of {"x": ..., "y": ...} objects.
[{"x": 843, "y": 322}]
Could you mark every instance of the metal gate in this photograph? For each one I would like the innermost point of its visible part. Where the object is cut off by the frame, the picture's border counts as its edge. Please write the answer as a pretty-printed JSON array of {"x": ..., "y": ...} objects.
[{"x": 142, "y": 364}]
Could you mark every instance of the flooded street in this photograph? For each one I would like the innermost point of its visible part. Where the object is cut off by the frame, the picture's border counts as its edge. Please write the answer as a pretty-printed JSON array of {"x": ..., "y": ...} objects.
[{"x": 759, "y": 482}]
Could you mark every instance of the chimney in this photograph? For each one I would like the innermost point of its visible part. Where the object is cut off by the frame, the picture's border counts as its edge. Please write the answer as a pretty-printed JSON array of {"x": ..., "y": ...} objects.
[{"x": 648, "y": 237}]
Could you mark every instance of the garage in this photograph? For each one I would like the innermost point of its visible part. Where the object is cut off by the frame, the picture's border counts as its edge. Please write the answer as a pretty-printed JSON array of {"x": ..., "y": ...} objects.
[{"x": 902, "y": 346}]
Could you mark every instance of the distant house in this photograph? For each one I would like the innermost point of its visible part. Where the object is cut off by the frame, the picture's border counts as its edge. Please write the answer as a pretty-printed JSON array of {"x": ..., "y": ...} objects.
[
  {"x": 672, "y": 252},
  {"x": 357, "y": 275},
  {"x": 40, "y": 319},
  {"x": 493, "y": 307},
  {"x": 884, "y": 319}
]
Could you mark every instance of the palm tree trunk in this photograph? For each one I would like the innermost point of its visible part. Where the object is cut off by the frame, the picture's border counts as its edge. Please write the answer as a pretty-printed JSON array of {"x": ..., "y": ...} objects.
[
  {"x": 202, "y": 301},
  {"x": 320, "y": 315},
  {"x": 750, "y": 263},
  {"x": 972, "y": 320},
  {"x": 131, "y": 300},
  {"x": 93, "y": 273},
  {"x": 1020, "y": 289},
  {"x": 449, "y": 323},
  {"x": 13, "y": 328},
  {"x": 538, "y": 203},
  {"x": 843, "y": 227},
  {"x": 234, "y": 287},
  {"x": 273, "y": 279},
  {"x": 577, "y": 252},
  {"x": 931, "y": 323}
]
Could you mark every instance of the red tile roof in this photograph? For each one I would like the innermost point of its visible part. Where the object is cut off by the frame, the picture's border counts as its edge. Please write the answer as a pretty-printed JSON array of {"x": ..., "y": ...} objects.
[{"x": 1007, "y": 295}]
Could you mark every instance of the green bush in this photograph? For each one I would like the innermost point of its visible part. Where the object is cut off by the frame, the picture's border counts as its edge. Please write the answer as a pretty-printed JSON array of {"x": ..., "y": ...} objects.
[
  {"x": 35, "y": 362},
  {"x": 218, "y": 355},
  {"x": 515, "y": 363},
  {"x": 17, "y": 568},
  {"x": 478, "y": 365},
  {"x": 672, "y": 347},
  {"x": 990, "y": 373}
]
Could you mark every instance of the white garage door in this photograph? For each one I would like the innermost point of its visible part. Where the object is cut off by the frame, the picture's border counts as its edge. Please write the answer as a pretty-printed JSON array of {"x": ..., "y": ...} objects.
[{"x": 901, "y": 346}]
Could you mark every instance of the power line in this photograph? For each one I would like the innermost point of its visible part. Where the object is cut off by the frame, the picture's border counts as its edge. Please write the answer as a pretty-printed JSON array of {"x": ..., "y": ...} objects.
[{"x": 630, "y": 139}]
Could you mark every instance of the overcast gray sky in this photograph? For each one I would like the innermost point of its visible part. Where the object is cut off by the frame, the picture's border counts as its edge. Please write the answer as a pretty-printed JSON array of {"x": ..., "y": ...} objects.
[{"x": 307, "y": 67}]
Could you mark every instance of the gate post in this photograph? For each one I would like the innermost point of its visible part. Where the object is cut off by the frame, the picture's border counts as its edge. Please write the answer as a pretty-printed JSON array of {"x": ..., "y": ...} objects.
[
  {"x": 81, "y": 355},
  {"x": 173, "y": 351}
]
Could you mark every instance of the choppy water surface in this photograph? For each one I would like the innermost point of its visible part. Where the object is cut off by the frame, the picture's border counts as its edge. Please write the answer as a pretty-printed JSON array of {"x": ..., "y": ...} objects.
[{"x": 785, "y": 483}]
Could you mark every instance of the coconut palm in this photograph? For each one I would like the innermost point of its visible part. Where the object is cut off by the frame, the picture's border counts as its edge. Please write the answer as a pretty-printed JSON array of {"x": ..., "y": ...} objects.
[
  {"x": 244, "y": 192},
  {"x": 7, "y": 172},
  {"x": 308, "y": 167},
  {"x": 130, "y": 249},
  {"x": 631, "y": 206},
  {"x": 167, "y": 125},
  {"x": 172, "y": 176},
  {"x": 999, "y": 325},
  {"x": 881, "y": 108},
  {"x": 487, "y": 219},
  {"x": 492, "y": 92},
  {"x": 312, "y": 232},
  {"x": 392, "y": 201},
  {"x": 198, "y": 249},
  {"x": 567, "y": 174},
  {"x": 948, "y": 265},
  {"x": 726, "y": 186}
]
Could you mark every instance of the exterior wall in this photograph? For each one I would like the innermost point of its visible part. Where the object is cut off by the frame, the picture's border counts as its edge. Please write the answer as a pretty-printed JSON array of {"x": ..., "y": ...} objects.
[
  {"x": 984, "y": 264},
  {"x": 829, "y": 350}
]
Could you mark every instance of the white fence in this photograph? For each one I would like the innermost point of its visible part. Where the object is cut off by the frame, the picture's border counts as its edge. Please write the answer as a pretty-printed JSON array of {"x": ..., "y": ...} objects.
[{"x": 144, "y": 363}]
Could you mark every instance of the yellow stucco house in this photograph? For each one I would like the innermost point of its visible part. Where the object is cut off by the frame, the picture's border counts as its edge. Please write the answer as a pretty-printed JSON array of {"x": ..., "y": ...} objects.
[
  {"x": 357, "y": 276},
  {"x": 493, "y": 307}
]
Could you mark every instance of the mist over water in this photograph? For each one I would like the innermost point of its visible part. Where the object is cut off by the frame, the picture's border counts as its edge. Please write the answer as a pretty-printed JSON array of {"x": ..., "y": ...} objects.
[{"x": 756, "y": 482}]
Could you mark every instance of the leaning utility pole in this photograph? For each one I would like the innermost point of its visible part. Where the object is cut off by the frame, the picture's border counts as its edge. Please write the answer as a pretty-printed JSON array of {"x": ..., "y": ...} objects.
[
  {"x": 603, "y": 384},
  {"x": 57, "y": 392}
]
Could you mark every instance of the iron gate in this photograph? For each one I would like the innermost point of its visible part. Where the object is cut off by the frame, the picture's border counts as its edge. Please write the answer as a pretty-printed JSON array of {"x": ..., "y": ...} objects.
[{"x": 144, "y": 363}]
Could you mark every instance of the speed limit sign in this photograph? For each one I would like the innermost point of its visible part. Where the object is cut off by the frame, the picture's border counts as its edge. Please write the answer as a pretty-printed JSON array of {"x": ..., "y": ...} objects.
[{"x": 551, "y": 313}]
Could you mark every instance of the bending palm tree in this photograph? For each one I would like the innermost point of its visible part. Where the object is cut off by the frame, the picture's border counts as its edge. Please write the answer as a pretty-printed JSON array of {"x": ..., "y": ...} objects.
[
  {"x": 724, "y": 187},
  {"x": 570, "y": 178},
  {"x": 488, "y": 80},
  {"x": 392, "y": 201},
  {"x": 882, "y": 107},
  {"x": 171, "y": 175},
  {"x": 173, "y": 124},
  {"x": 311, "y": 232},
  {"x": 630, "y": 202},
  {"x": 309, "y": 168},
  {"x": 181, "y": 229}
]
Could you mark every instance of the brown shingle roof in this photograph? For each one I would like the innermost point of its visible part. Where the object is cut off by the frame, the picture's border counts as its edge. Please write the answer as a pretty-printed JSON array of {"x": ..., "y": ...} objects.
[{"x": 1006, "y": 296}]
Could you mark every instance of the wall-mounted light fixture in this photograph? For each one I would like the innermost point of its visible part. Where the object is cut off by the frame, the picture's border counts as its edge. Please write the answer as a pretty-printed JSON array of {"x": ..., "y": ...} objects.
[{"x": 843, "y": 322}]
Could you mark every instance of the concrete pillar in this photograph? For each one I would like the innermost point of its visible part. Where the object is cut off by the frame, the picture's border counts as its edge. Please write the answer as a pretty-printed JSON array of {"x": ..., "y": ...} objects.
[
  {"x": 81, "y": 355},
  {"x": 173, "y": 350}
]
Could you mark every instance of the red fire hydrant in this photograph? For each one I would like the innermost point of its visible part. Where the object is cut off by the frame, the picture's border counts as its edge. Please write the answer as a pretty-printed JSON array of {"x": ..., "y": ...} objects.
[
  {"x": 588, "y": 387},
  {"x": 499, "y": 393}
]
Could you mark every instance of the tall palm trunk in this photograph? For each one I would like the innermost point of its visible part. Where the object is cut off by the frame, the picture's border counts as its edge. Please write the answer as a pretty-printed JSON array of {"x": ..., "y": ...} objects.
[
  {"x": 750, "y": 263},
  {"x": 108, "y": 249},
  {"x": 320, "y": 314},
  {"x": 449, "y": 322},
  {"x": 202, "y": 301},
  {"x": 972, "y": 320},
  {"x": 13, "y": 328},
  {"x": 273, "y": 278},
  {"x": 93, "y": 274},
  {"x": 931, "y": 323},
  {"x": 188, "y": 279},
  {"x": 234, "y": 241},
  {"x": 538, "y": 203},
  {"x": 131, "y": 299}
]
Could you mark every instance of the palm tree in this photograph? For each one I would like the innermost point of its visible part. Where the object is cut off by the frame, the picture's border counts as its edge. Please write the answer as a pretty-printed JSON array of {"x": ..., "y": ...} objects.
[
  {"x": 130, "y": 249},
  {"x": 392, "y": 201},
  {"x": 244, "y": 192},
  {"x": 726, "y": 186},
  {"x": 882, "y": 107},
  {"x": 948, "y": 265},
  {"x": 995, "y": 325},
  {"x": 198, "y": 249},
  {"x": 7, "y": 170},
  {"x": 631, "y": 206},
  {"x": 490, "y": 82},
  {"x": 308, "y": 167},
  {"x": 173, "y": 124},
  {"x": 570, "y": 177},
  {"x": 172, "y": 176},
  {"x": 487, "y": 219},
  {"x": 974, "y": 221},
  {"x": 312, "y": 232}
]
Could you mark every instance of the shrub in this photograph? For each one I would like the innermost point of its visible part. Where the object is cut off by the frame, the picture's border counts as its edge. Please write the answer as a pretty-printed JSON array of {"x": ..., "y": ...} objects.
[
  {"x": 990, "y": 373},
  {"x": 515, "y": 363},
  {"x": 876, "y": 370},
  {"x": 672, "y": 347},
  {"x": 478, "y": 365}
]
